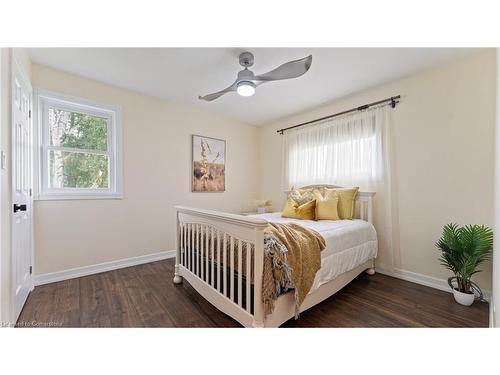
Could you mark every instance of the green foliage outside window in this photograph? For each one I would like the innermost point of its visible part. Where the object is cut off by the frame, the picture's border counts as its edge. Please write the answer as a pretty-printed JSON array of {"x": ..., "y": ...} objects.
[{"x": 78, "y": 131}]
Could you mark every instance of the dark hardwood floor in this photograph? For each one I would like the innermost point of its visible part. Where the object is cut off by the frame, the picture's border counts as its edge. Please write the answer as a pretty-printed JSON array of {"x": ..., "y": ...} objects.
[{"x": 145, "y": 296}]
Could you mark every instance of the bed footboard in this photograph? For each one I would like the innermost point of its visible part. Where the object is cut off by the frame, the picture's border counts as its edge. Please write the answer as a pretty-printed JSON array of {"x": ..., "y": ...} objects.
[{"x": 221, "y": 255}]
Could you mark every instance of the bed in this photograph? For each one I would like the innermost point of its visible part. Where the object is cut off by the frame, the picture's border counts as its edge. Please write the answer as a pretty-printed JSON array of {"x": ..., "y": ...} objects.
[{"x": 221, "y": 255}]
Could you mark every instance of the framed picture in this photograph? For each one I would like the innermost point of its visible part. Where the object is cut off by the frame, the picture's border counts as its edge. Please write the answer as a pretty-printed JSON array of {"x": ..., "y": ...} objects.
[{"x": 209, "y": 164}]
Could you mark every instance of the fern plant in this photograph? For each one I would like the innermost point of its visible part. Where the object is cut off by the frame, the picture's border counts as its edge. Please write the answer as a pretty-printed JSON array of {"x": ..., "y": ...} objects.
[{"x": 463, "y": 249}]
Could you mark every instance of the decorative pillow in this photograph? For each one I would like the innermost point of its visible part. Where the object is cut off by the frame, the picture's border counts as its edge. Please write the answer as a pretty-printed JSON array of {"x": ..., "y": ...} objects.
[
  {"x": 347, "y": 198},
  {"x": 306, "y": 211},
  {"x": 326, "y": 205},
  {"x": 301, "y": 196},
  {"x": 320, "y": 189},
  {"x": 302, "y": 190}
]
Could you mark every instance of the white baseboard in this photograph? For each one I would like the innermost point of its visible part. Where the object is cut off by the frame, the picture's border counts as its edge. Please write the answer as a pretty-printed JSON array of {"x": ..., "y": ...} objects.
[
  {"x": 72, "y": 273},
  {"x": 419, "y": 278}
]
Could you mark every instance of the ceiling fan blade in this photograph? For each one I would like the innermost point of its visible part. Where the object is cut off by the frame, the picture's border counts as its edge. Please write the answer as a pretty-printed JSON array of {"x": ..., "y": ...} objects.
[
  {"x": 291, "y": 69},
  {"x": 215, "y": 95}
]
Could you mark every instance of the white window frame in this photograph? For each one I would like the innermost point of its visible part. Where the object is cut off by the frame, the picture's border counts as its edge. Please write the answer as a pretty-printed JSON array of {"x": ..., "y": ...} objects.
[{"x": 112, "y": 113}]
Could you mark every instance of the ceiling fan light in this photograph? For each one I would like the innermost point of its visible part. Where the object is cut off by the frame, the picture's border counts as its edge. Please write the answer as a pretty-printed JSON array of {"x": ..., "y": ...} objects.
[{"x": 245, "y": 88}]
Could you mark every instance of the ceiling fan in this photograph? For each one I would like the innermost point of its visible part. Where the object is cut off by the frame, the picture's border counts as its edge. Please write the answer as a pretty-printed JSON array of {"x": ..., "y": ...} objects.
[{"x": 247, "y": 81}]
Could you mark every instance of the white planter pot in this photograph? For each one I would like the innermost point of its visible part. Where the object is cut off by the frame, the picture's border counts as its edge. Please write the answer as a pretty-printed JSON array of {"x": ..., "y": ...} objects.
[
  {"x": 261, "y": 210},
  {"x": 465, "y": 299}
]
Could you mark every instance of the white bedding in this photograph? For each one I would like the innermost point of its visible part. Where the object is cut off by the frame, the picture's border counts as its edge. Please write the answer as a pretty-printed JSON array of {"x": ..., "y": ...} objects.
[{"x": 349, "y": 243}]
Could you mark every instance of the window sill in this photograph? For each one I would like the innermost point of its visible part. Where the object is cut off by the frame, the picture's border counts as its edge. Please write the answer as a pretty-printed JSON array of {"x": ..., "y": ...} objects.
[{"x": 62, "y": 197}]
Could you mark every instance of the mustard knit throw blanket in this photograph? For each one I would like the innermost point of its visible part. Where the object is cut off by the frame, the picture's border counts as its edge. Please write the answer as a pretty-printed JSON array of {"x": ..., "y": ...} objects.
[{"x": 292, "y": 256}]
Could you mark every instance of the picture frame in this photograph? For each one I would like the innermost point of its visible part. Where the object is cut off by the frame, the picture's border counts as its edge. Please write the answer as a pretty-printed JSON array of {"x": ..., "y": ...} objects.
[{"x": 208, "y": 167}]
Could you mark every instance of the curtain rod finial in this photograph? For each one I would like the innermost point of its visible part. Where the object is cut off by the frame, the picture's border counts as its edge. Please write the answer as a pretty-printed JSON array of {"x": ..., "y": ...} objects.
[{"x": 393, "y": 102}]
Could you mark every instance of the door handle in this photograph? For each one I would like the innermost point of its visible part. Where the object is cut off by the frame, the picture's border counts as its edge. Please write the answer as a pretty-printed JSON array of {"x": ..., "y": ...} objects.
[{"x": 19, "y": 207}]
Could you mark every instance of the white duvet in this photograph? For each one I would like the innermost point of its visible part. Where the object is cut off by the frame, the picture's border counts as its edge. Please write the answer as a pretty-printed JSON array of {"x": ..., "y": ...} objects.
[{"x": 349, "y": 243}]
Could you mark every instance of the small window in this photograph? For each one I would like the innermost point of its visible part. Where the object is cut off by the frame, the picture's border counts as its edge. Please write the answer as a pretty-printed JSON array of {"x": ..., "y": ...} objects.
[
  {"x": 344, "y": 151},
  {"x": 80, "y": 148}
]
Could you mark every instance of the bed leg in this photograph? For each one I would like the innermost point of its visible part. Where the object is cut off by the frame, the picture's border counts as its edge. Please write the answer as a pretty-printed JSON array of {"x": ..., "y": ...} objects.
[
  {"x": 257, "y": 324},
  {"x": 177, "y": 277},
  {"x": 370, "y": 271}
]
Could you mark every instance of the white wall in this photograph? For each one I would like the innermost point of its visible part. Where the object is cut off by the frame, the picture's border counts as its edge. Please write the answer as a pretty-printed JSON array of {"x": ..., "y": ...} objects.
[
  {"x": 443, "y": 142},
  {"x": 495, "y": 300},
  {"x": 157, "y": 172}
]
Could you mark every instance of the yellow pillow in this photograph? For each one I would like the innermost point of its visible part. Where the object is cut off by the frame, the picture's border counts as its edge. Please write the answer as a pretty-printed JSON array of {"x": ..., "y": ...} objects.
[
  {"x": 306, "y": 212},
  {"x": 327, "y": 205},
  {"x": 347, "y": 198}
]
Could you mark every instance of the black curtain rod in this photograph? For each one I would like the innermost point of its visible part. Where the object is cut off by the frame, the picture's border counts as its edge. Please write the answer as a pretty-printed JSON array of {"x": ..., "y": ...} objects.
[{"x": 393, "y": 100}]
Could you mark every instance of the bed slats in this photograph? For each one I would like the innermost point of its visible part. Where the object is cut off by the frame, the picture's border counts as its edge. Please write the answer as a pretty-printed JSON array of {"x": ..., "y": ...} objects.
[
  {"x": 231, "y": 265},
  {"x": 212, "y": 257},
  {"x": 204, "y": 252},
  {"x": 248, "y": 277},
  {"x": 224, "y": 262},
  {"x": 219, "y": 239}
]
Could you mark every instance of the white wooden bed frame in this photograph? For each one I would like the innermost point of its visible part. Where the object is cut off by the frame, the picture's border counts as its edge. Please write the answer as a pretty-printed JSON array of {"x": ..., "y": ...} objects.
[{"x": 233, "y": 231}]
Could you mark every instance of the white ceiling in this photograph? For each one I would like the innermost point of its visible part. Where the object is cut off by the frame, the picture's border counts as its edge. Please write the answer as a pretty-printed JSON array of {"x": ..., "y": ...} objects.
[{"x": 181, "y": 74}]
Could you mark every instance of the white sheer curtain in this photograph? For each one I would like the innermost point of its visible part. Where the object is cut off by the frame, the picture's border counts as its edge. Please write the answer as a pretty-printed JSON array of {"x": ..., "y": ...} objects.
[
  {"x": 352, "y": 150},
  {"x": 349, "y": 150}
]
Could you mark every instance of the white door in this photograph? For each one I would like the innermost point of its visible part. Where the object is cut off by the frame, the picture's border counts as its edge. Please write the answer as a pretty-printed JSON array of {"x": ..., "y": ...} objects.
[{"x": 21, "y": 188}]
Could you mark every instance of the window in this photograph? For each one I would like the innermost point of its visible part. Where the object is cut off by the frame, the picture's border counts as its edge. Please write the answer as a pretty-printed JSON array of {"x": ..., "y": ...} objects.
[
  {"x": 80, "y": 148},
  {"x": 344, "y": 151}
]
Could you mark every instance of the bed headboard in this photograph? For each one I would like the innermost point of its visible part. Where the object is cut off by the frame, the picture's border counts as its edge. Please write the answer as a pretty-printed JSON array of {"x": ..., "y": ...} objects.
[{"x": 363, "y": 208}]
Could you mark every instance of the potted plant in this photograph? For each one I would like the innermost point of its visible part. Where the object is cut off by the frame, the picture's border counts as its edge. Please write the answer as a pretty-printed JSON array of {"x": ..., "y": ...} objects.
[{"x": 463, "y": 249}]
